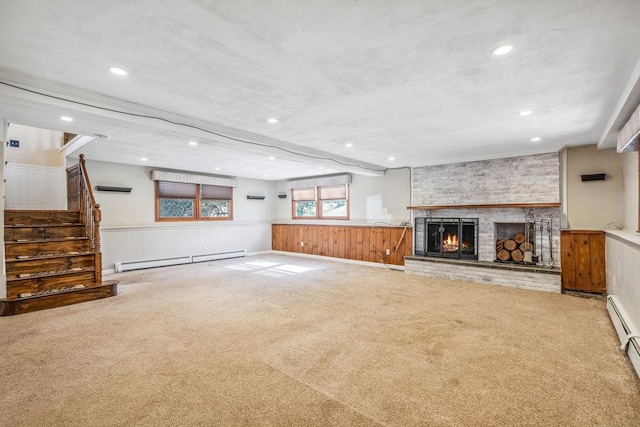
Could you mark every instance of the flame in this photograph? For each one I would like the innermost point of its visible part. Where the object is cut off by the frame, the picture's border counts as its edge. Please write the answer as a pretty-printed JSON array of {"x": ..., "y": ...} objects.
[{"x": 450, "y": 244}]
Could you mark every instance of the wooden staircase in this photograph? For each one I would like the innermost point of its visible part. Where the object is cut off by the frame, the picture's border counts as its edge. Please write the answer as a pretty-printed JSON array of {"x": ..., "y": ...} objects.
[{"x": 53, "y": 258}]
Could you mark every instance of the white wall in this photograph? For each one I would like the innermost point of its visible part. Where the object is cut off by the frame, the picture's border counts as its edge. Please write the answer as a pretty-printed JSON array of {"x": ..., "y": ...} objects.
[
  {"x": 629, "y": 163},
  {"x": 37, "y": 146},
  {"x": 368, "y": 197},
  {"x": 623, "y": 246},
  {"x": 35, "y": 187},
  {"x": 129, "y": 231},
  {"x": 594, "y": 205},
  {"x": 623, "y": 273}
]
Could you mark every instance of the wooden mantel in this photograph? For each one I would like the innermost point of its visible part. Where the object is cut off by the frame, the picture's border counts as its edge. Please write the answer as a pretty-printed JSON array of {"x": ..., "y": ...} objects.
[{"x": 487, "y": 206}]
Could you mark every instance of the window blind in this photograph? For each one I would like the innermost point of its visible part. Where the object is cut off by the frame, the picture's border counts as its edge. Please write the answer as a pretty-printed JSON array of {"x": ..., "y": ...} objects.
[
  {"x": 216, "y": 192},
  {"x": 336, "y": 192},
  {"x": 176, "y": 190},
  {"x": 304, "y": 194}
]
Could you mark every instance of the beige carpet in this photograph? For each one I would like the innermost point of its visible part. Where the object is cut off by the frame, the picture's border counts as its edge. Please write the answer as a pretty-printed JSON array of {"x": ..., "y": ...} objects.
[{"x": 280, "y": 340}]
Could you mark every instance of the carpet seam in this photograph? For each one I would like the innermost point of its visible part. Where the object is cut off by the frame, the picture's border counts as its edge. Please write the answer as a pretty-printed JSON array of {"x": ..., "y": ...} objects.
[{"x": 324, "y": 393}]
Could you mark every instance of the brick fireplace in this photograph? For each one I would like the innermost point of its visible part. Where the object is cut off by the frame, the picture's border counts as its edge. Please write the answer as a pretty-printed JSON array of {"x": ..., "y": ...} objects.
[{"x": 494, "y": 193}]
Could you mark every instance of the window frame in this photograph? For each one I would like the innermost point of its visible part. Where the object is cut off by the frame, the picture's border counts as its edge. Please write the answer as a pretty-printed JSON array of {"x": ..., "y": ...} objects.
[
  {"x": 197, "y": 207},
  {"x": 319, "y": 204}
]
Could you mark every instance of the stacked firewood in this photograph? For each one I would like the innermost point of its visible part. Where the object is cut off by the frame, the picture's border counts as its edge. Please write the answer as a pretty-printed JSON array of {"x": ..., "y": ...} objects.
[{"x": 513, "y": 249}]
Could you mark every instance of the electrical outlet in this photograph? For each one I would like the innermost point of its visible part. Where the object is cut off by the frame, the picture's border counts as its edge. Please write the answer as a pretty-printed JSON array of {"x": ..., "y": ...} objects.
[
  {"x": 385, "y": 211},
  {"x": 14, "y": 143},
  {"x": 388, "y": 252},
  {"x": 204, "y": 247},
  {"x": 301, "y": 243}
]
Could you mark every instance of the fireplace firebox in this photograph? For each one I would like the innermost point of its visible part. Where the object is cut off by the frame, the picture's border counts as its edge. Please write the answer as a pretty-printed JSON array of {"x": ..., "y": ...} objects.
[{"x": 447, "y": 237}]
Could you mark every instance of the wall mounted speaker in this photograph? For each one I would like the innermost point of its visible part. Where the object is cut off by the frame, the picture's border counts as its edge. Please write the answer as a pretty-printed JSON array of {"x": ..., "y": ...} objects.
[
  {"x": 113, "y": 189},
  {"x": 255, "y": 197},
  {"x": 593, "y": 177}
]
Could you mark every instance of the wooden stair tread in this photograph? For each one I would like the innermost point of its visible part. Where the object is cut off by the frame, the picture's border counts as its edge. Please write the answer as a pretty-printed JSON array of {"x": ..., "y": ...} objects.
[
  {"x": 47, "y": 256},
  {"x": 63, "y": 239},
  {"x": 66, "y": 291},
  {"x": 12, "y": 306},
  {"x": 50, "y": 274},
  {"x": 45, "y": 225}
]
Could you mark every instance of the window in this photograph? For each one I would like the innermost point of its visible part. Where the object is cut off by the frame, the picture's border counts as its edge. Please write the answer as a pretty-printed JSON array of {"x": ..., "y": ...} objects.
[
  {"x": 179, "y": 201},
  {"x": 323, "y": 202}
]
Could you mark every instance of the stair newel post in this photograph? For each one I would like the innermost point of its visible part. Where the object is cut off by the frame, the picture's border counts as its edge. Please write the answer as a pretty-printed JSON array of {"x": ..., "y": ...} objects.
[
  {"x": 90, "y": 212},
  {"x": 82, "y": 194},
  {"x": 97, "y": 217}
]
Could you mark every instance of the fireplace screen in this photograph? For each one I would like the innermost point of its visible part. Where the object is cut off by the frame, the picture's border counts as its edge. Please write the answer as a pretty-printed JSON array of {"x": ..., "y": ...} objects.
[{"x": 447, "y": 237}]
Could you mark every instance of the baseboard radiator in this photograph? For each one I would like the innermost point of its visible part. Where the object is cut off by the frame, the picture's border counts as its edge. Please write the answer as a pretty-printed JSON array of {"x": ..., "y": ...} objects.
[
  {"x": 628, "y": 335},
  {"x": 187, "y": 259}
]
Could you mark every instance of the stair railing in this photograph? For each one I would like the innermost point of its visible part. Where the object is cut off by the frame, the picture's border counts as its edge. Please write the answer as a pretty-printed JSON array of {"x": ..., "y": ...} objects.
[{"x": 80, "y": 198}]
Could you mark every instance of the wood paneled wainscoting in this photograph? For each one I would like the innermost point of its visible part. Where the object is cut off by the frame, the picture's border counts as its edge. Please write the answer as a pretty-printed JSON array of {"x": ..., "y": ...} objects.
[{"x": 362, "y": 243}]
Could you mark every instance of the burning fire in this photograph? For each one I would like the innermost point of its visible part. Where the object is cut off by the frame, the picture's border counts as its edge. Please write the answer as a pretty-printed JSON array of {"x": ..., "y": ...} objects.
[{"x": 450, "y": 244}]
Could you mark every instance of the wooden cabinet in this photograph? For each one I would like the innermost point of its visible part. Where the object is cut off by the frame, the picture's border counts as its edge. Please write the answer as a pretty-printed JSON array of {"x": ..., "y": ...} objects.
[{"x": 583, "y": 261}]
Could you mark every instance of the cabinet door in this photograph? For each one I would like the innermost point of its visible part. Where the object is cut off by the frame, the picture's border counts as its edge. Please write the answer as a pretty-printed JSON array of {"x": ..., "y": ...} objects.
[
  {"x": 598, "y": 256},
  {"x": 583, "y": 261},
  {"x": 582, "y": 245},
  {"x": 567, "y": 261}
]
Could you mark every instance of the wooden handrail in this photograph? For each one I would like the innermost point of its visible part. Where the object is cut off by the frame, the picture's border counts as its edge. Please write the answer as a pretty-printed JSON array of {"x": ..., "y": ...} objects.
[
  {"x": 85, "y": 175},
  {"x": 80, "y": 197}
]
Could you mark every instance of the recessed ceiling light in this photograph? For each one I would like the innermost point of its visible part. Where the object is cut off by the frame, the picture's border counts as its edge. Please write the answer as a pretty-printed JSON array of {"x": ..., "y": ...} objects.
[
  {"x": 271, "y": 158},
  {"x": 348, "y": 144},
  {"x": 536, "y": 139},
  {"x": 272, "y": 120},
  {"x": 525, "y": 113},
  {"x": 217, "y": 169},
  {"x": 66, "y": 118},
  {"x": 501, "y": 50},
  {"x": 119, "y": 71},
  {"x": 320, "y": 167},
  {"x": 193, "y": 143},
  {"x": 144, "y": 159},
  {"x": 266, "y": 174},
  {"x": 392, "y": 158}
]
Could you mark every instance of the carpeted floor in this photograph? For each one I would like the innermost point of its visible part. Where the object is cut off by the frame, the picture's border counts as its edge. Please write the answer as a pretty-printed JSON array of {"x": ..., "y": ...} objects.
[{"x": 282, "y": 340}]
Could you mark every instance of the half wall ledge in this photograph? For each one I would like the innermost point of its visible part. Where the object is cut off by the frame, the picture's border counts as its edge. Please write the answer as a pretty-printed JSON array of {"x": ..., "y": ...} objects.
[{"x": 544, "y": 279}]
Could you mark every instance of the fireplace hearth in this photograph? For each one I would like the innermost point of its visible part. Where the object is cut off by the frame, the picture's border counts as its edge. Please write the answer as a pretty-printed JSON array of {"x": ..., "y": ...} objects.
[{"x": 447, "y": 237}]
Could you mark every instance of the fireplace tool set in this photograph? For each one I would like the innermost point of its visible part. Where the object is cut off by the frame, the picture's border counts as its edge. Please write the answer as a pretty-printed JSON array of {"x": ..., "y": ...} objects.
[{"x": 541, "y": 225}]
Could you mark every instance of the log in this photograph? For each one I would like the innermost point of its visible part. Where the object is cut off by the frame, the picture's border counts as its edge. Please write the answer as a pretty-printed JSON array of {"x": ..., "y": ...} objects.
[
  {"x": 499, "y": 245},
  {"x": 516, "y": 255},
  {"x": 526, "y": 246},
  {"x": 510, "y": 245},
  {"x": 504, "y": 255},
  {"x": 519, "y": 238}
]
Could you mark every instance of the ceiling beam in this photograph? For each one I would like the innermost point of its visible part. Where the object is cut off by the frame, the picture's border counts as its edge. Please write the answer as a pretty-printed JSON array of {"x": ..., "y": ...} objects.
[
  {"x": 627, "y": 104},
  {"x": 40, "y": 91}
]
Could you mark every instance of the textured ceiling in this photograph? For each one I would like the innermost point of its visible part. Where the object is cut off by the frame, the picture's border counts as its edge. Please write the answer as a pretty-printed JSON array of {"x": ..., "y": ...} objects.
[{"x": 411, "y": 79}]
